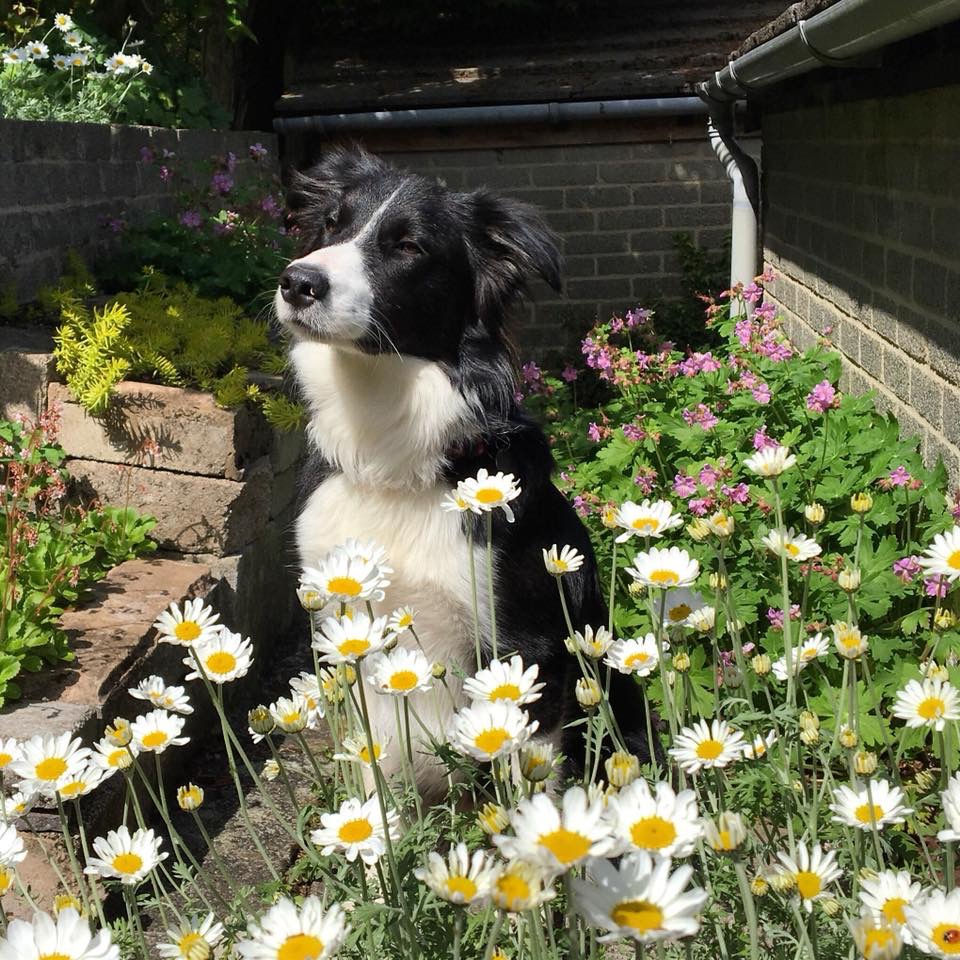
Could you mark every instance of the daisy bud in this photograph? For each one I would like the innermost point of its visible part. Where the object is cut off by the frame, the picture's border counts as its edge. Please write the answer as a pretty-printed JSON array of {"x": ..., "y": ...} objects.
[
  {"x": 391, "y": 642},
  {"x": 536, "y": 762},
  {"x": 797, "y": 786},
  {"x": 759, "y": 886},
  {"x": 809, "y": 721},
  {"x": 498, "y": 954},
  {"x": 732, "y": 677},
  {"x": 721, "y": 524},
  {"x": 864, "y": 762},
  {"x": 718, "y": 581},
  {"x": 761, "y": 664},
  {"x": 726, "y": 833},
  {"x": 570, "y": 644},
  {"x": 588, "y": 693},
  {"x": 271, "y": 770},
  {"x": 608, "y": 516},
  {"x": 810, "y": 737},
  {"x": 849, "y": 580},
  {"x": 438, "y": 671},
  {"x": 703, "y": 619},
  {"x": 347, "y": 673},
  {"x": 782, "y": 882},
  {"x": 944, "y": 619},
  {"x": 636, "y": 588},
  {"x": 671, "y": 678},
  {"x": 815, "y": 513},
  {"x": 849, "y": 738},
  {"x": 698, "y": 530},
  {"x": 867, "y": 874},
  {"x": 260, "y": 721},
  {"x": 861, "y": 502},
  {"x": 493, "y": 818},
  {"x": 622, "y": 768},
  {"x": 311, "y": 600},
  {"x": 66, "y": 901},
  {"x": 190, "y": 797},
  {"x": 830, "y": 906},
  {"x": 681, "y": 662},
  {"x": 119, "y": 733},
  {"x": 925, "y": 780}
]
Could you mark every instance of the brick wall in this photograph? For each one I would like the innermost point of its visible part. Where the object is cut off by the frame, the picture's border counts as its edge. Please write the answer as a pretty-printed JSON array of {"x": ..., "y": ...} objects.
[
  {"x": 60, "y": 183},
  {"x": 863, "y": 228},
  {"x": 617, "y": 208}
]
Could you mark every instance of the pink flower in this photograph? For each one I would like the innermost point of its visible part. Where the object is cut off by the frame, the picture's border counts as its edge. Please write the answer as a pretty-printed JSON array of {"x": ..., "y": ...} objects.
[
  {"x": 936, "y": 586},
  {"x": 165, "y": 173},
  {"x": 702, "y": 506},
  {"x": 744, "y": 330},
  {"x": 258, "y": 151},
  {"x": 752, "y": 293},
  {"x": 684, "y": 486},
  {"x": 906, "y": 568},
  {"x": 774, "y": 350},
  {"x": 738, "y": 494},
  {"x": 766, "y": 311},
  {"x": 762, "y": 440},
  {"x": 221, "y": 182},
  {"x": 632, "y": 432},
  {"x": 581, "y": 506},
  {"x": 709, "y": 476},
  {"x": 191, "y": 219},
  {"x": 761, "y": 393},
  {"x": 702, "y": 416},
  {"x": 594, "y": 433},
  {"x": 634, "y": 318},
  {"x": 775, "y": 615},
  {"x": 900, "y": 477},
  {"x": 570, "y": 373},
  {"x": 821, "y": 398},
  {"x": 646, "y": 479}
]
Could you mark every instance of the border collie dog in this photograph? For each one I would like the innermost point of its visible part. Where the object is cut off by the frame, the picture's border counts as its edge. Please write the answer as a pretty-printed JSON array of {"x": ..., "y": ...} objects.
[{"x": 397, "y": 310}]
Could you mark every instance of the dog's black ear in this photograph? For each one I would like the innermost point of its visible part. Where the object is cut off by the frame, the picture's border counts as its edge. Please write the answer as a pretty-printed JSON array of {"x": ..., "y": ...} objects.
[{"x": 509, "y": 243}]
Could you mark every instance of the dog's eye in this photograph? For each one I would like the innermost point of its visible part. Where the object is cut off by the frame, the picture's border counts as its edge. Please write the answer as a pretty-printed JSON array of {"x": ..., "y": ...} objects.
[
  {"x": 330, "y": 223},
  {"x": 408, "y": 247}
]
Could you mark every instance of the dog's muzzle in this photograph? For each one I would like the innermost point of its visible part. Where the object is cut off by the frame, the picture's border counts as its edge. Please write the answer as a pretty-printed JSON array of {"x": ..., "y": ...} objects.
[{"x": 302, "y": 285}]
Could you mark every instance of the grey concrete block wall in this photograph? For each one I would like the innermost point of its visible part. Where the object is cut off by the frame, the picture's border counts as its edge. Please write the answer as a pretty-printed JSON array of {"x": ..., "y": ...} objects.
[
  {"x": 617, "y": 209},
  {"x": 862, "y": 227},
  {"x": 60, "y": 184}
]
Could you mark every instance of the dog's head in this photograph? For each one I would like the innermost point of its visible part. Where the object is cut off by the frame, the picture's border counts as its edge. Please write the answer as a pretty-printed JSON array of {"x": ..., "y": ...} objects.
[{"x": 393, "y": 261}]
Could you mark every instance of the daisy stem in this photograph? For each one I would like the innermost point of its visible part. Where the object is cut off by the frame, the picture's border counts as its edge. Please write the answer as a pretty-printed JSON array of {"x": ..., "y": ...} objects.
[
  {"x": 86, "y": 859},
  {"x": 732, "y": 623},
  {"x": 804, "y": 936},
  {"x": 133, "y": 915},
  {"x": 887, "y": 746},
  {"x": 571, "y": 918},
  {"x": 566, "y": 611},
  {"x": 215, "y": 854},
  {"x": 788, "y": 650},
  {"x": 613, "y": 586},
  {"x": 72, "y": 856},
  {"x": 406, "y": 755},
  {"x": 874, "y": 832},
  {"x": 667, "y": 695},
  {"x": 949, "y": 866},
  {"x": 492, "y": 598},
  {"x": 473, "y": 591},
  {"x": 282, "y": 771},
  {"x": 749, "y": 908},
  {"x": 494, "y": 933},
  {"x": 25, "y": 893},
  {"x": 457, "y": 931},
  {"x": 650, "y": 741},
  {"x": 305, "y": 747}
]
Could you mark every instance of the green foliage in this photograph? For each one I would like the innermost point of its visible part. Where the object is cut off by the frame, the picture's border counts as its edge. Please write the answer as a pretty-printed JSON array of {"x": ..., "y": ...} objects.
[{"x": 50, "y": 553}]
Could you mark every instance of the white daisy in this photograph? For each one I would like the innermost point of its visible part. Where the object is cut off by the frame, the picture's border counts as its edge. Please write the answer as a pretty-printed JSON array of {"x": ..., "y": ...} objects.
[
  {"x": 520, "y": 886},
  {"x": 726, "y": 833},
  {"x": 146, "y": 67},
  {"x": 110, "y": 758},
  {"x": 886, "y": 895},
  {"x": 641, "y": 900},
  {"x": 345, "y": 576},
  {"x": 638, "y": 656},
  {"x": 486, "y": 730},
  {"x": 758, "y": 748},
  {"x": 191, "y": 938},
  {"x": 505, "y": 681},
  {"x": 195, "y": 623},
  {"x": 771, "y": 461},
  {"x": 568, "y": 560},
  {"x": 9, "y": 751},
  {"x": 703, "y": 619},
  {"x": 401, "y": 619},
  {"x": 400, "y": 672},
  {"x": 927, "y": 703},
  {"x": 79, "y": 58},
  {"x": 454, "y": 501},
  {"x": 678, "y": 605},
  {"x": 933, "y": 920},
  {"x": 849, "y": 641},
  {"x": 592, "y": 643},
  {"x": 73, "y": 39},
  {"x": 63, "y": 22},
  {"x": 875, "y": 804},
  {"x": 153, "y": 732},
  {"x": 950, "y": 801},
  {"x": 61, "y": 61},
  {"x": 74, "y": 785},
  {"x": 17, "y": 804},
  {"x": 66, "y": 938},
  {"x": 809, "y": 649},
  {"x": 699, "y": 746},
  {"x": 721, "y": 524},
  {"x": 307, "y": 686},
  {"x": 358, "y": 751},
  {"x": 127, "y": 857},
  {"x": 224, "y": 657},
  {"x": 37, "y": 50},
  {"x": 155, "y": 689},
  {"x": 556, "y": 840},
  {"x": 12, "y": 850},
  {"x": 117, "y": 64},
  {"x": 348, "y": 639},
  {"x": 356, "y": 830},
  {"x": 647, "y": 519},
  {"x": 659, "y": 821},
  {"x": 664, "y": 568},
  {"x": 289, "y": 932},
  {"x": 461, "y": 878},
  {"x": 794, "y": 546},
  {"x": 190, "y": 797},
  {"x": 45, "y": 760},
  {"x": 487, "y": 492},
  {"x": 942, "y": 557},
  {"x": 875, "y": 939},
  {"x": 810, "y": 872},
  {"x": 290, "y": 714}
]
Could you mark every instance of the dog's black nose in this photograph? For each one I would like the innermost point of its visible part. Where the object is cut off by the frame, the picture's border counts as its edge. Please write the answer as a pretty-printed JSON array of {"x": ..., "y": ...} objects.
[{"x": 302, "y": 285}]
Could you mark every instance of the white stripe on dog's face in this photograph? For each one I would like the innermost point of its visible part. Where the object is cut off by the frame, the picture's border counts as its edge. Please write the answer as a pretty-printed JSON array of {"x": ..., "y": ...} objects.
[{"x": 344, "y": 313}]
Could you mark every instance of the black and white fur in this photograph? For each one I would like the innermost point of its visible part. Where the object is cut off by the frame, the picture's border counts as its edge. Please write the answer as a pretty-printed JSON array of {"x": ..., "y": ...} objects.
[{"x": 397, "y": 310}]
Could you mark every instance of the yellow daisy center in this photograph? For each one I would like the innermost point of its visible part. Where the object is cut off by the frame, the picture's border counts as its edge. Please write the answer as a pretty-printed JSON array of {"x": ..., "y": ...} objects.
[
  {"x": 893, "y": 910},
  {"x": 5, "y": 758},
  {"x": 71, "y": 789},
  {"x": 490, "y": 741},
  {"x": 118, "y": 758},
  {"x": 127, "y": 862},
  {"x": 154, "y": 739},
  {"x": 355, "y": 831},
  {"x": 640, "y": 657},
  {"x": 365, "y": 753},
  {"x": 560, "y": 565},
  {"x": 639, "y": 915},
  {"x": 646, "y": 524},
  {"x": 953, "y": 560},
  {"x": 301, "y": 946},
  {"x": 403, "y": 680},
  {"x": 488, "y": 495},
  {"x": 187, "y": 631},
  {"x": 933, "y": 708},
  {"x": 221, "y": 662},
  {"x": 567, "y": 846},
  {"x": 759, "y": 749},
  {"x": 346, "y": 586},
  {"x": 6, "y": 879},
  {"x": 513, "y": 890},
  {"x": 809, "y": 884},
  {"x": 809, "y": 653},
  {"x": 505, "y": 691},
  {"x": 354, "y": 648},
  {"x": 50, "y": 769},
  {"x": 849, "y": 640},
  {"x": 792, "y": 549},
  {"x": 709, "y": 749},
  {"x": 653, "y": 833},
  {"x": 192, "y": 796},
  {"x": 680, "y": 612},
  {"x": 292, "y": 717},
  {"x": 54, "y": 956},
  {"x": 724, "y": 841},
  {"x": 463, "y": 886},
  {"x": 190, "y": 940},
  {"x": 664, "y": 578},
  {"x": 862, "y": 813},
  {"x": 405, "y": 620},
  {"x": 876, "y": 940},
  {"x": 946, "y": 936}
]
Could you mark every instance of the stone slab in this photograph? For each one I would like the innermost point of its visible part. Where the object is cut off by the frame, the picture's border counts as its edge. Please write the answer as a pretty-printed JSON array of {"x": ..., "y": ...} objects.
[
  {"x": 26, "y": 367},
  {"x": 194, "y": 514},
  {"x": 193, "y": 434}
]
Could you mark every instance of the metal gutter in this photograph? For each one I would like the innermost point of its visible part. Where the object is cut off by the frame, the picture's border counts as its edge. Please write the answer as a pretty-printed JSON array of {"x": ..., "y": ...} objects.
[
  {"x": 501, "y": 115},
  {"x": 837, "y": 36}
]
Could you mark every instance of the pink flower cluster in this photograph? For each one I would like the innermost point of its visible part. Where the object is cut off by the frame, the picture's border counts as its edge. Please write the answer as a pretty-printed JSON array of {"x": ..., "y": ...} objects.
[
  {"x": 699, "y": 363},
  {"x": 646, "y": 480},
  {"x": 775, "y": 615},
  {"x": 702, "y": 416},
  {"x": 762, "y": 440},
  {"x": 906, "y": 568},
  {"x": 900, "y": 477},
  {"x": 822, "y": 397}
]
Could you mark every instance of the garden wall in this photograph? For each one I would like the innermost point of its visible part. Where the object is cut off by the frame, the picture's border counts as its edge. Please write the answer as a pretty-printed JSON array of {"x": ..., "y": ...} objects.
[
  {"x": 61, "y": 184},
  {"x": 862, "y": 226}
]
